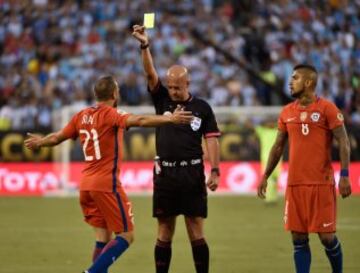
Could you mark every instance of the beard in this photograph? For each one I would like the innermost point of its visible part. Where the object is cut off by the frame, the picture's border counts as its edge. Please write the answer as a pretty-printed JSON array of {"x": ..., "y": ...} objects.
[
  {"x": 297, "y": 94},
  {"x": 115, "y": 104}
]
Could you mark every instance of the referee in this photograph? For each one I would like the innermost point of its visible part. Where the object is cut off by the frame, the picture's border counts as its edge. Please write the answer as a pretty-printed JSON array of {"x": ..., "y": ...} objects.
[{"x": 179, "y": 180}]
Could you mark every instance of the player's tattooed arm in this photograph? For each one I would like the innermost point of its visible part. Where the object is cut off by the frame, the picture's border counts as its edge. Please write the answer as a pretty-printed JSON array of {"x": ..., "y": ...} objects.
[
  {"x": 344, "y": 145},
  {"x": 274, "y": 158},
  {"x": 34, "y": 141},
  {"x": 344, "y": 151},
  {"x": 276, "y": 152},
  {"x": 152, "y": 77}
]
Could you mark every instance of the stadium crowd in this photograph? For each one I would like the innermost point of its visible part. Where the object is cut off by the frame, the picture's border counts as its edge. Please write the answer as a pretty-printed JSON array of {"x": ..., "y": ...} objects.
[{"x": 52, "y": 51}]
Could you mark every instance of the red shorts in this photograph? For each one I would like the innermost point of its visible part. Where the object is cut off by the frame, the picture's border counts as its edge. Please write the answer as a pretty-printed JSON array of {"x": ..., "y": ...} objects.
[
  {"x": 107, "y": 210},
  {"x": 310, "y": 208}
]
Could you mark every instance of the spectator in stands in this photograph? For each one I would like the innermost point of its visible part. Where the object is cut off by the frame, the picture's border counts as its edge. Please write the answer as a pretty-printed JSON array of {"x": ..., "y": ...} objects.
[{"x": 57, "y": 47}]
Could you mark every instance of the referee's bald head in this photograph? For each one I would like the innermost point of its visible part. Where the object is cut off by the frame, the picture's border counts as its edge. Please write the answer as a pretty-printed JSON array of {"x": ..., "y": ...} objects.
[
  {"x": 178, "y": 73},
  {"x": 178, "y": 81}
]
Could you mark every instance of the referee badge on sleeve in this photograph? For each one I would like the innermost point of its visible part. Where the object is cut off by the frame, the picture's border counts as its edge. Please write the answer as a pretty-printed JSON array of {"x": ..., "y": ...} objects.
[{"x": 195, "y": 123}]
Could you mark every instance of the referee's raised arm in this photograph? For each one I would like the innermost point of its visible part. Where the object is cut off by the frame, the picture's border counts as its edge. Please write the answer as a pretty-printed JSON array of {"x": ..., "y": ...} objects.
[{"x": 152, "y": 77}]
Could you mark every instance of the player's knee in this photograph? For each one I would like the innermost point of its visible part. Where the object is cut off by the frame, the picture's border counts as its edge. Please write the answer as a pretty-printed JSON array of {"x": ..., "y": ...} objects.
[
  {"x": 166, "y": 231},
  {"x": 128, "y": 236},
  {"x": 326, "y": 238},
  {"x": 195, "y": 233},
  {"x": 103, "y": 235},
  {"x": 131, "y": 238},
  {"x": 301, "y": 243},
  {"x": 165, "y": 235},
  {"x": 299, "y": 236},
  {"x": 196, "y": 237}
]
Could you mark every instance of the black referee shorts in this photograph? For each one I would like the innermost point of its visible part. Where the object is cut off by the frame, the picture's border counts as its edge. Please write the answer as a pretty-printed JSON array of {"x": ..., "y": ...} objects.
[{"x": 180, "y": 190}]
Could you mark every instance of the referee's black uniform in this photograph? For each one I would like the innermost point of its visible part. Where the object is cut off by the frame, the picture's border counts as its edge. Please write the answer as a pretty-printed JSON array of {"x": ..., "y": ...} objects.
[{"x": 179, "y": 180}]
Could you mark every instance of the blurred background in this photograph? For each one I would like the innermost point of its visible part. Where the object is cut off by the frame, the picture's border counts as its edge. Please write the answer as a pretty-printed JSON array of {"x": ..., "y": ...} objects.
[{"x": 240, "y": 55}]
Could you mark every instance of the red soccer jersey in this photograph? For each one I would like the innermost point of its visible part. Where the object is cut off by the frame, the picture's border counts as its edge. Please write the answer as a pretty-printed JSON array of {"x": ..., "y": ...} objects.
[
  {"x": 310, "y": 137},
  {"x": 100, "y": 129}
]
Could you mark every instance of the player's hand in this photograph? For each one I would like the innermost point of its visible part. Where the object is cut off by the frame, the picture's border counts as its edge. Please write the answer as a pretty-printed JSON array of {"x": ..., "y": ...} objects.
[
  {"x": 140, "y": 34},
  {"x": 180, "y": 116},
  {"x": 344, "y": 187},
  {"x": 261, "y": 190},
  {"x": 33, "y": 141},
  {"x": 213, "y": 181}
]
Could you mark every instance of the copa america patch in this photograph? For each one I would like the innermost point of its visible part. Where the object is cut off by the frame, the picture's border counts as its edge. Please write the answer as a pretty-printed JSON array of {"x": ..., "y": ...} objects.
[
  {"x": 315, "y": 116},
  {"x": 195, "y": 123},
  {"x": 340, "y": 117},
  {"x": 303, "y": 116}
]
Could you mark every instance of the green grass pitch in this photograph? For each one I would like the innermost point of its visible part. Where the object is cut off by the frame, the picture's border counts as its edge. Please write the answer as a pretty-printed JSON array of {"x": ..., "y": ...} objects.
[{"x": 39, "y": 235}]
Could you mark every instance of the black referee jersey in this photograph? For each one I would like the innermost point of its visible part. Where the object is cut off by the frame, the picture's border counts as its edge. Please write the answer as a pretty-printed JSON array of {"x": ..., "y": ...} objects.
[{"x": 182, "y": 141}]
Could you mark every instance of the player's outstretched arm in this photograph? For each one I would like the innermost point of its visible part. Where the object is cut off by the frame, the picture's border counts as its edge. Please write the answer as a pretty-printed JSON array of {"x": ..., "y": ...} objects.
[
  {"x": 212, "y": 145},
  {"x": 274, "y": 157},
  {"x": 178, "y": 117},
  {"x": 34, "y": 141},
  {"x": 344, "y": 151},
  {"x": 152, "y": 77}
]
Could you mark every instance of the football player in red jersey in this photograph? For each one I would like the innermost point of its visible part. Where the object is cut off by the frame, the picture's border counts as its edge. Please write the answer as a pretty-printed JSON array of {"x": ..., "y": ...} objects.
[
  {"x": 310, "y": 123},
  {"x": 103, "y": 201}
]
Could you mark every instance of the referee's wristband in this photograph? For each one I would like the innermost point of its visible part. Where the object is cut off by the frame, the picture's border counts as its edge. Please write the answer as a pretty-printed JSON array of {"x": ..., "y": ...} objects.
[
  {"x": 216, "y": 171},
  {"x": 144, "y": 46},
  {"x": 344, "y": 173}
]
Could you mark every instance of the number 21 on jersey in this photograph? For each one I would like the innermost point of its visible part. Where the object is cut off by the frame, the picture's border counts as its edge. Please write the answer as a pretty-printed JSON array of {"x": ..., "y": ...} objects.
[
  {"x": 95, "y": 138},
  {"x": 305, "y": 129}
]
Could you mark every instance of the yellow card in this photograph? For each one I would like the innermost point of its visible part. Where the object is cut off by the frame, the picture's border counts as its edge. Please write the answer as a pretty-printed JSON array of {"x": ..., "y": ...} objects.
[{"x": 149, "y": 20}]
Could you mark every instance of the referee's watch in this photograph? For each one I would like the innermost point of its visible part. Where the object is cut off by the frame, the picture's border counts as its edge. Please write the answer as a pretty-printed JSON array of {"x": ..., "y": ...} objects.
[{"x": 216, "y": 171}]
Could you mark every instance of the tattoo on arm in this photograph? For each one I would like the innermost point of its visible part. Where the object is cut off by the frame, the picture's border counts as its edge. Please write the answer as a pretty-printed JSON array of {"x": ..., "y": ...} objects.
[
  {"x": 344, "y": 145},
  {"x": 276, "y": 152}
]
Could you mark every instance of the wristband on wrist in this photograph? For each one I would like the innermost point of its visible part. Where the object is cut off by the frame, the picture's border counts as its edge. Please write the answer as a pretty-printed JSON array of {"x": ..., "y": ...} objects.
[
  {"x": 144, "y": 46},
  {"x": 344, "y": 172},
  {"x": 216, "y": 171}
]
